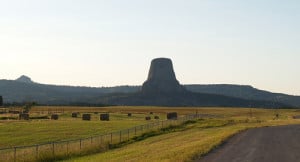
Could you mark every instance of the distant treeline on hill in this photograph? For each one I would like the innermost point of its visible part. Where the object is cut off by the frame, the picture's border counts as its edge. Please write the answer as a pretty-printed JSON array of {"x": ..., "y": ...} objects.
[
  {"x": 1, "y": 101},
  {"x": 85, "y": 104},
  {"x": 19, "y": 92}
]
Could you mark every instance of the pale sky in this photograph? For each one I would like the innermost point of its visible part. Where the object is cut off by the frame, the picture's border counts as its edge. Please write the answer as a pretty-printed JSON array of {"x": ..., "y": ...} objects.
[{"x": 112, "y": 42}]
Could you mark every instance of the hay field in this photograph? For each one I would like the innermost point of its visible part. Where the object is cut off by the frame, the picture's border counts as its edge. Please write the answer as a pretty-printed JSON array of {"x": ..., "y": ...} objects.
[
  {"x": 195, "y": 139},
  {"x": 179, "y": 144},
  {"x": 37, "y": 131}
]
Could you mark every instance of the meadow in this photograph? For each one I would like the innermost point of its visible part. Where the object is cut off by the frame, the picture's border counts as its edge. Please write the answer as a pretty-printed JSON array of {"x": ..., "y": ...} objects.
[
  {"x": 195, "y": 139},
  {"x": 36, "y": 131},
  {"x": 181, "y": 143}
]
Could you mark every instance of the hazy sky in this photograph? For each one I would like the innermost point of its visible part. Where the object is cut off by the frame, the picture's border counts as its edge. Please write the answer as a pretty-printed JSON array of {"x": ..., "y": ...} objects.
[{"x": 111, "y": 42}]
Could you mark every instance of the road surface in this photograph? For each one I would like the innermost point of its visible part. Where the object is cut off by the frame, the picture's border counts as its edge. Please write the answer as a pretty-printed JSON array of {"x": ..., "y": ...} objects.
[{"x": 268, "y": 144}]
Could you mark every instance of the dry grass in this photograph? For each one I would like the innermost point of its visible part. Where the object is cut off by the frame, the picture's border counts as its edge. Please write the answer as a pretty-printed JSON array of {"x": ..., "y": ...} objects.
[
  {"x": 196, "y": 139},
  {"x": 193, "y": 140}
]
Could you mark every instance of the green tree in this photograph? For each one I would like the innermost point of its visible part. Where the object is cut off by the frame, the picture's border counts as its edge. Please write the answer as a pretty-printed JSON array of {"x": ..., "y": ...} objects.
[{"x": 1, "y": 101}]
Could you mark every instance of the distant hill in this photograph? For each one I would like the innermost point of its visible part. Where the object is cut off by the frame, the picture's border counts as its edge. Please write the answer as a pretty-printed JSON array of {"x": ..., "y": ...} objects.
[
  {"x": 24, "y": 79},
  {"x": 19, "y": 91},
  {"x": 245, "y": 92},
  {"x": 185, "y": 100},
  {"x": 163, "y": 89},
  {"x": 16, "y": 91}
]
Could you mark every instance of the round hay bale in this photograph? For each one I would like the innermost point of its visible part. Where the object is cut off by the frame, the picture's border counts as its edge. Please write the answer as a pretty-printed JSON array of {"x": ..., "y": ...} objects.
[
  {"x": 296, "y": 117},
  {"x": 54, "y": 117},
  {"x": 24, "y": 116},
  {"x": 129, "y": 114},
  {"x": 104, "y": 117},
  {"x": 148, "y": 118},
  {"x": 75, "y": 114},
  {"x": 86, "y": 116},
  {"x": 172, "y": 116}
]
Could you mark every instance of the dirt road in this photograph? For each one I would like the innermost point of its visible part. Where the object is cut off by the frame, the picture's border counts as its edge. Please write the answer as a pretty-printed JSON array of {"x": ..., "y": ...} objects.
[{"x": 269, "y": 144}]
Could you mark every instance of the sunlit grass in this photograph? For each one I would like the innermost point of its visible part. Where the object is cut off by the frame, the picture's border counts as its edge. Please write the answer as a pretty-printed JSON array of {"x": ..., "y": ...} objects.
[
  {"x": 184, "y": 144},
  {"x": 18, "y": 133},
  {"x": 197, "y": 139},
  {"x": 177, "y": 146}
]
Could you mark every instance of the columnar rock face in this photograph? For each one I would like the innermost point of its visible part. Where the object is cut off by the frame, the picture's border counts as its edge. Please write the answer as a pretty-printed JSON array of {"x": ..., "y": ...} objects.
[{"x": 161, "y": 78}]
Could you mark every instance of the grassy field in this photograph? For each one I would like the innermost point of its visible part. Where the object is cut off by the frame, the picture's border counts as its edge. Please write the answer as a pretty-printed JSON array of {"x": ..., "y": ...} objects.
[
  {"x": 18, "y": 133},
  {"x": 179, "y": 144},
  {"x": 195, "y": 139}
]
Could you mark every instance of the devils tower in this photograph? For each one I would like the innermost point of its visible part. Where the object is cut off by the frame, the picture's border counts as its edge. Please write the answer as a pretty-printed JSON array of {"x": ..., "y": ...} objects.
[
  {"x": 162, "y": 89},
  {"x": 161, "y": 78}
]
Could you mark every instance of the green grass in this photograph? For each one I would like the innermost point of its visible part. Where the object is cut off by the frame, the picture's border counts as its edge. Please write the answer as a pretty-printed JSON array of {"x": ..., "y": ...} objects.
[
  {"x": 18, "y": 133},
  {"x": 193, "y": 140},
  {"x": 178, "y": 143},
  {"x": 181, "y": 145}
]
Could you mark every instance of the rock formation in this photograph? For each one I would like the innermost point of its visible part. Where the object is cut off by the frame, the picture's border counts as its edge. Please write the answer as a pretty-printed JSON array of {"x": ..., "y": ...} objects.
[
  {"x": 24, "y": 79},
  {"x": 161, "y": 78},
  {"x": 162, "y": 89}
]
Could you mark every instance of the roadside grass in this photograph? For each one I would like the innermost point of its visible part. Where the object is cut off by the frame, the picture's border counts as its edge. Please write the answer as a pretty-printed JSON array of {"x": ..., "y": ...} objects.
[
  {"x": 191, "y": 140},
  {"x": 169, "y": 129},
  {"x": 186, "y": 145}
]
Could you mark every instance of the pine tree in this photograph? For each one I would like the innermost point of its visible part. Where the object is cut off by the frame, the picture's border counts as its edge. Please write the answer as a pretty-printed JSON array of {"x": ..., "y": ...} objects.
[{"x": 1, "y": 101}]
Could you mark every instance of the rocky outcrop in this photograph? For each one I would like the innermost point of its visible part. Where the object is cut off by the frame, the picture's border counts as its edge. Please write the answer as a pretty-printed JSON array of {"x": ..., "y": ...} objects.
[
  {"x": 162, "y": 89},
  {"x": 161, "y": 78},
  {"x": 24, "y": 79}
]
